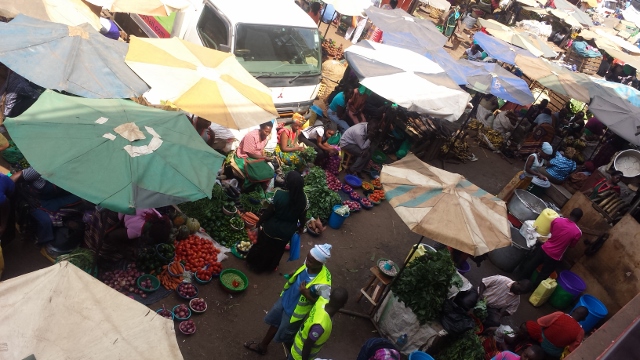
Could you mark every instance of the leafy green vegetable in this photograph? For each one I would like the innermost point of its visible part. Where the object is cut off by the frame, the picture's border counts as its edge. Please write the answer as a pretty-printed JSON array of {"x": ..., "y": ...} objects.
[
  {"x": 251, "y": 201},
  {"x": 80, "y": 257},
  {"x": 316, "y": 177},
  {"x": 321, "y": 201},
  {"x": 308, "y": 155},
  {"x": 467, "y": 346},
  {"x": 480, "y": 310},
  {"x": 424, "y": 284}
]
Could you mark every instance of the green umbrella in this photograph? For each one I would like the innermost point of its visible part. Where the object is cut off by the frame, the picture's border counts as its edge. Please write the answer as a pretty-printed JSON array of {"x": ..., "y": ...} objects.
[{"x": 116, "y": 153}]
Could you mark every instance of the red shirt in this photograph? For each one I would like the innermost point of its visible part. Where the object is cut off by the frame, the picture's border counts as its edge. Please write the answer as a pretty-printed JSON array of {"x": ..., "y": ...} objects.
[{"x": 564, "y": 233}]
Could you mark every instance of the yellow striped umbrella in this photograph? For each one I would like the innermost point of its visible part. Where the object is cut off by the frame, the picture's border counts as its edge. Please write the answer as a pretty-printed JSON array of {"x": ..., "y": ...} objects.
[
  {"x": 205, "y": 82},
  {"x": 446, "y": 207}
]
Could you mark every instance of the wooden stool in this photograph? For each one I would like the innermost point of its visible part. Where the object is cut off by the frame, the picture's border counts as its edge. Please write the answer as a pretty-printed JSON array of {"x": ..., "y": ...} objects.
[
  {"x": 375, "y": 287},
  {"x": 346, "y": 160}
]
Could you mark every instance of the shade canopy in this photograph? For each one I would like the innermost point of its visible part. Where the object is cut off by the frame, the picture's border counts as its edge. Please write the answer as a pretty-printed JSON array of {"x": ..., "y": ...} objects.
[
  {"x": 500, "y": 49},
  {"x": 618, "y": 107},
  {"x": 406, "y": 31},
  {"x": 446, "y": 207},
  {"x": 450, "y": 65},
  {"x": 143, "y": 7},
  {"x": 524, "y": 40},
  {"x": 572, "y": 10},
  {"x": 349, "y": 7},
  {"x": 116, "y": 153},
  {"x": 61, "y": 312},
  {"x": 209, "y": 83},
  {"x": 491, "y": 78},
  {"x": 68, "y": 12},
  {"x": 556, "y": 78},
  {"x": 78, "y": 60},
  {"x": 408, "y": 79}
]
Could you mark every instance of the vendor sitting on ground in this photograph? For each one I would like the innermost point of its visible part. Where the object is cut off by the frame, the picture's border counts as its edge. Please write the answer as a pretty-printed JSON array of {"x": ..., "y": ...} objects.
[
  {"x": 251, "y": 152},
  {"x": 317, "y": 136},
  {"x": 534, "y": 164},
  {"x": 488, "y": 104},
  {"x": 557, "y": 330},
  {"x": 288, "y": 148},
  {"x": 560, "y": 167},
  {"x": 575, "y": 125},
  {"x": 474, "y": 53},
  {"x": 502, "y": 296},
  {"x": 355, "y": 142},
  {"x": 356, "y": 104},
  {"x": 604, "y": 185},
  {"x": 505, "y": 121}
]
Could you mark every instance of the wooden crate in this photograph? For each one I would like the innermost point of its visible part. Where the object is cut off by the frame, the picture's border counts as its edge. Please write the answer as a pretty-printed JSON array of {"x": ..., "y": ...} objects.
[
  {"x": 585, "y": 65},
  {"x": 556, "y": 101}
]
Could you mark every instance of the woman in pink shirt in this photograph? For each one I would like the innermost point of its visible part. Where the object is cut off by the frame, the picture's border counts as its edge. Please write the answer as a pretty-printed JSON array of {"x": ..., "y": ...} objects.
[
  {"x": 251, "y": 151},
  {"x": 564, "y": 234}
]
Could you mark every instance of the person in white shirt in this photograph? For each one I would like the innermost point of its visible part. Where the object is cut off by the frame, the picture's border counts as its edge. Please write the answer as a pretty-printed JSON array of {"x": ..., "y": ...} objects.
[
  {"x": 317, "y": 136},
  {"x": 502, "y": 296},
  {"x": 355, "y": 141}
]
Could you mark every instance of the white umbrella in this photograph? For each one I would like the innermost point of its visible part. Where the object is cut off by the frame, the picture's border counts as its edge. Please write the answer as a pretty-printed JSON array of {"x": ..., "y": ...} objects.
[
  {"x": 61, "y": 312},
  {"x": 408, "y": 79},
  {"x": 616, "y": 112}
]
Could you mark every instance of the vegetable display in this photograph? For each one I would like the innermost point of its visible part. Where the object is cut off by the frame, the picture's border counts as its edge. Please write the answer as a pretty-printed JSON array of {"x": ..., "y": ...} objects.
[
  {"x": 187, "y": 290},
  {"x": 251, "y": 202},
  {"x": 237, "y": 223},
  {"x": 316, "y": 177},
  {"x": 146, "y": 284},
  {"x": 467, "y": 346},
  {"x": 198, "y": 304},
  {"x": 80, "y": 257},
  {"x": 167, "y": 281},
  {"x": 196, "y": 253},
  {"x": 321, "y": 201},
  {"x": 232, "y": 281},
  {"x": 424, "y": 284},
  {"x": 181, "y": 311},
  {"x": 308, "y": 154},
  {"x": 187, "y": 327},
  {"x": 332, "y": 165},
  {"x": 353, "y": 206},
  {"x": 244, "y": 246},
  {"x": 165, "y": 313},
  {"x": 124, "y": 281},
  {"x": 333, "y": 182}
]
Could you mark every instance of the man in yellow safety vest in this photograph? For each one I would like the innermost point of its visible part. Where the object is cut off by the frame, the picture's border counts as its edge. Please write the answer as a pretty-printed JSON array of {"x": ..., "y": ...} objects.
[
  {"x": 317, "y": 328},
  {"x": 300, "y": 293}
]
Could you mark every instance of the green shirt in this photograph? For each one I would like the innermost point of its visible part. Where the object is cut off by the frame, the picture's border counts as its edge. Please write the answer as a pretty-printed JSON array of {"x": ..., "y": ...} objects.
[{"x": 284, "y": 221}]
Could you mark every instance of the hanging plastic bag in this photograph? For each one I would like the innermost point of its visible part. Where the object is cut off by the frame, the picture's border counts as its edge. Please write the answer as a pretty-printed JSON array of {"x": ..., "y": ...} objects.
[{"x": 294, "y": 247}]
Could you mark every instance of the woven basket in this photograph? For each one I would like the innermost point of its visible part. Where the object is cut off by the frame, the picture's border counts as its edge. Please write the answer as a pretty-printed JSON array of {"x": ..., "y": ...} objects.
[{"x": 323, "y": 92}]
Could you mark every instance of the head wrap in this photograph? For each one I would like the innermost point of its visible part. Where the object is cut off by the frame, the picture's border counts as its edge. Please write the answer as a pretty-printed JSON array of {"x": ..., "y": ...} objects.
[
  {"x": 546, "y": 148},
  {"x": 322, "y": 253},
  {"x": 298, "y": 118}
]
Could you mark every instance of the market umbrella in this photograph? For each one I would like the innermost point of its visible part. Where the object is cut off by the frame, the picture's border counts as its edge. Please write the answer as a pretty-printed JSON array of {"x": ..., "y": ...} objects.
[
  {"x": 522, "y": 39},
  {"x": 209, "y": 83},
  {"x": 494, "y": 79},
  {"x": 500, "y": 49},
  {"x": 446, "y": 207},
  {"x": 451, "y": 66},
  {"x": 116, "y": 153},
  {"x": 408, "y": 79},
  {"x": 573, "y": 11},
  {"x": 556, "y": 78},
  {"x": 61, "y": 312},
  {"x": 622, "y": 91},
  {"x": 78, "y": 60},
  {"x": 68, "y": 12},
  {"x": 405, "y": 31},
  {"x": 143, "y": 7},
  {"x": 618, "y": 114}
]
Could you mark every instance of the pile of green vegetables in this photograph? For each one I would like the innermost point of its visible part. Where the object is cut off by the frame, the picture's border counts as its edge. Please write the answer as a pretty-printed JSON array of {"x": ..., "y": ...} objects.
[
  {"x": 209, "y": 214},
  {"x": 82, "y": 258},
  {"x": 148, "y": 260},
  {"x": 252, "y": 201},
  {"x": 466, "y": 346},
  {"x": 424, "y": 284},
  {"x": 321, "y": 198}
]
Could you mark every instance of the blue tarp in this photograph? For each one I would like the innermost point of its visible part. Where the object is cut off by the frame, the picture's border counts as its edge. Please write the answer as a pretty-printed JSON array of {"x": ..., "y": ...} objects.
[
  {"x": 451, "y": 66},
  {"x": 492, "y": 78},
  {"x": 498, "y": 49}
]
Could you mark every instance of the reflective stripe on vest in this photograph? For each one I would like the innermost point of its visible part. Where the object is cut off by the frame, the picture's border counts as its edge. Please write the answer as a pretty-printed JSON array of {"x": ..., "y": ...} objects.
[
  {"x": 304, "y": 306},
  {"x": 317, "y": 315}
]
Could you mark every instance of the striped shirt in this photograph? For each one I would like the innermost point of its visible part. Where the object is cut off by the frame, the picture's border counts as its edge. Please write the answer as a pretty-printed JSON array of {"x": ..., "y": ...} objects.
[
  {"x": 32, "y": 176},
  {"x": 498, "y": 293},
  {"x": 251, "y": 144}
]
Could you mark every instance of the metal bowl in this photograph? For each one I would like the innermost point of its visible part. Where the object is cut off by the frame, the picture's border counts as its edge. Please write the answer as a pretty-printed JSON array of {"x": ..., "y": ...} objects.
[
  {"x": 628, "y": 162},
  {"x": 525, "y": 206}
]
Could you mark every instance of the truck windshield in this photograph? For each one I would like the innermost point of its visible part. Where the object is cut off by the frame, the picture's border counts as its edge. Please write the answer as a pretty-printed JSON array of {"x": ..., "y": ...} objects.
[{"x": 271, "y": 50}]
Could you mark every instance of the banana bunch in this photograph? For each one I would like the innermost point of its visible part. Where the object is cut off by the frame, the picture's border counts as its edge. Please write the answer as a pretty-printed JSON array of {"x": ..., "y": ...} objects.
[
  {"x": 474, "y": 124},
  {"x": 460, "y": 149},
  {"x": 611, "y": 203},
  {"x": 494, "y": 136}
]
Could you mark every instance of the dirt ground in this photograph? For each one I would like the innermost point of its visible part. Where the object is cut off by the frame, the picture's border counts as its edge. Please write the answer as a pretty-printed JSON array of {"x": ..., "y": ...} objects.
[{"x": 363, "y": 239}]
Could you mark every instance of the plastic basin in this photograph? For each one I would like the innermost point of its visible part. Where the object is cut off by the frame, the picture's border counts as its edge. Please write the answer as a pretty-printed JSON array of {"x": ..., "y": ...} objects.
[
  {"x": 597, "y": 311},
  {"x": 464, "y": 268},
  {"x": 420, "y": 355},
  {"x": 570, "y": 286}
]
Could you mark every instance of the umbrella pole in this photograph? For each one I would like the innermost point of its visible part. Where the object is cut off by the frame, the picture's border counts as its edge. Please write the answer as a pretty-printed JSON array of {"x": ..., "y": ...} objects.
[
  {"x": 388, "y": 288},
  {"x": 329, "y": 25},
  {"x": 600, "y": 142}
]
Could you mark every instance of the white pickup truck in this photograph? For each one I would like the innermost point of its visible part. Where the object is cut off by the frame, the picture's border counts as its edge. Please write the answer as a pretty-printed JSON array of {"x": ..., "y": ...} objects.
[{"x": 276, "y": 41}]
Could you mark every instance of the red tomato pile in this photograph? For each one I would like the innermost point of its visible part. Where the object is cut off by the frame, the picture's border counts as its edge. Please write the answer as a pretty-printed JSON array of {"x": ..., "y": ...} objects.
[
  {"x": 196, "y": 253},
  {"x": 253, "y": 236}
]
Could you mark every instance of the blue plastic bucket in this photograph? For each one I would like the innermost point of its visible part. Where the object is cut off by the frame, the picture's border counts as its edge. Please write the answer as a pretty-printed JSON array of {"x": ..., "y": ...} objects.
[
  {"x": 420, "y": 355},
  {"x": 464, "y": 268},
  {"x": 597, "y": 311},
  {"x": 335, "y": 220}
]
